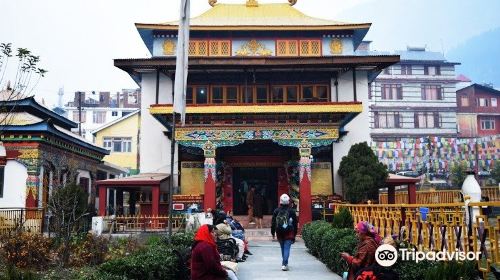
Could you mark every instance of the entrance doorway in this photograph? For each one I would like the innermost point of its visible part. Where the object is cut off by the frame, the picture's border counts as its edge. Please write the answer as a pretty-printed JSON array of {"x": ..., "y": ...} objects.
[{"x": 265, "y": 180}]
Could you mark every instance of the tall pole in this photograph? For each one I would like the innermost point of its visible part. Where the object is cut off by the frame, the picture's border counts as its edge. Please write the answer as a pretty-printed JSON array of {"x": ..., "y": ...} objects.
[
  {"x": 80, "y": 113},
  {"x": 171, "y": 186}
]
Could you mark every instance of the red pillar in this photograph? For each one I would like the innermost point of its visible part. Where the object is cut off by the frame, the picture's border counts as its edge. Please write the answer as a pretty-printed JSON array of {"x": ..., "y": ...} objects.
[
  {"x": 412, "y": 193},
  {"x": 155, "y": 204},
  {"x": 305, "y": 212},
  {"x": 209, "y": 196},
  {"x": 102, "y": 200},
  {"x": 391, "y": 195}
]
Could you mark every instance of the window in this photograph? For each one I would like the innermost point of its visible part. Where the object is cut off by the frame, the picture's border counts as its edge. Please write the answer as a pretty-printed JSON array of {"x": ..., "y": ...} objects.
[
  {"x": 427, "y": 120},
  {"x": 125, "y": 113},
  {"x": 118, "y": 144},
  {"x": 292, "y": 94},
  {"x": 76, "y": 115},
  {"x": 201, "y": 95},
  {"x": 432, "y": 92},
  {"x": 133, "y": 98},
  {"x": 261, "y": 94},
  {"x": 217, "y": 95},
  {"x": 189, "y": 96},
  {"x": 220, "y": 48},
  {"x": 483, "y": 102},
  {"x": 387, "y": 120},
  {"x": 287, "y": 48},
  {"x": 464, "y": 101},
  {"x": 2, "y": 173},
  {"x": 247, "y": 95},
  {"x": 232, "y": 95},
  {"x": 487, "y": 123},
  {"x": 432, "y": 70},
  {"x": 405, "y": 69},
  {"x": 310, "y": 47},
  {"x": 307, "y": 93},
  {"x": 98, "y": 117},
  {"x": 198, "y": 48},
  {"x": 392, "y": 91},
  {"x": 314, "y": 93},
  {"x": 493, "y": 102},
  {"x": 114, "y": 114},
  {"x": 277, "y": 94}
]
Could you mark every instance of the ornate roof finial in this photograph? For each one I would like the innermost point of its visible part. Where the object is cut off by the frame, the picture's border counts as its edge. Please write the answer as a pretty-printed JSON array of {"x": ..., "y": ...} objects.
[
  {"x": 292, "y": 2},
  {"x": 252, "y": 3},
  {"x": 212, "y": 2}
]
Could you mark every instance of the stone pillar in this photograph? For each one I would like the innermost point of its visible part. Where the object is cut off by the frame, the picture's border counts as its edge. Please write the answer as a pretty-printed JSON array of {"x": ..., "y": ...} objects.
[
  {"x": 102, "y": 200},
  {"x": 305, "y": 212},
  {"x": 412, "y": 193},
  {"x": 210, "y": 175}
]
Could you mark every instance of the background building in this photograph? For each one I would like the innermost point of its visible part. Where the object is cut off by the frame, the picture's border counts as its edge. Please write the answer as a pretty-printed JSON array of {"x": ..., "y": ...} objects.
[
  {"x": 100, "y": 108},
  {"x": 478, "y": 111},
  {"x": 414, "y": 98},
  {"x": 121, "y": 138}
]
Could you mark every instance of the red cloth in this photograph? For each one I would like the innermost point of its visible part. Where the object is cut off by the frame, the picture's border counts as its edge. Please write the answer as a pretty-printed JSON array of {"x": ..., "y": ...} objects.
[
  {"x": 203, "y": 234},
  {"x": 205, "y": 260}
]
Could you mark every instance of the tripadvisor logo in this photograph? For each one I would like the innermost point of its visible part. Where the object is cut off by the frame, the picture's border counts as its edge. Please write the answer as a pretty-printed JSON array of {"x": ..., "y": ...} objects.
[{"x": 387, "y": 255}]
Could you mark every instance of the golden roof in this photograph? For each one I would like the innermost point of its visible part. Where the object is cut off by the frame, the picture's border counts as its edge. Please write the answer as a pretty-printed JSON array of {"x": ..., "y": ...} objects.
[{"x": 261, "y": 17}]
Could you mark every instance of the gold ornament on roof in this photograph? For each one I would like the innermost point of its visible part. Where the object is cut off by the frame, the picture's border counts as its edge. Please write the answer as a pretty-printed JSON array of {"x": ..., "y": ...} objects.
[
  {"x": 336, "y": 46},
  {"x": 168, "y": 47},
  {"x": 212, "y": 2},
  {"x": 292, "y": 2},
  {"x": 252, "y": 3},
  {"x": 253, "y": 48}
]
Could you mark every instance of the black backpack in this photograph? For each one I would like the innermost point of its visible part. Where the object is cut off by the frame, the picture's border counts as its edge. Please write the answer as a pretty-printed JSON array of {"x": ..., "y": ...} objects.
[{"x": 283, "y": 221}]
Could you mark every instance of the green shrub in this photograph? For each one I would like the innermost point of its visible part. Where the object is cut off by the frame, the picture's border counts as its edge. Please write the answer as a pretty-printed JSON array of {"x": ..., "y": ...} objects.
[
  {"x": 25, "y": 250},
  {"x": 14, "y": 273},
  {"x": 410, "y": 270},
  {"x": 334, "y": 242},
  {"x": 183, "y": 239},
  {"x": 122, "y": 247},
  {"x": 452, "y": 270},
  {"x": 343, "y": 219},
  {"x": 316, "y": 237},
  {"x": 308, "y": 230},
  {"x": 89, "y": 250}
]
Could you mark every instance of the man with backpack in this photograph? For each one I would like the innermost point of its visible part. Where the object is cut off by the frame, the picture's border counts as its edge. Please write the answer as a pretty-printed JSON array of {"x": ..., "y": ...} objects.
[{"x": 284, "y": 226}]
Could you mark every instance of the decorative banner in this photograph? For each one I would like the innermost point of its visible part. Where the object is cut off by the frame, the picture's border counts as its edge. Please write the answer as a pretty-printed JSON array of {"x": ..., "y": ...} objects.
[
  {"x": 440, "y": 152},
  {"x": 210, "y": 168},
  {"x": 305, "y": 167}
]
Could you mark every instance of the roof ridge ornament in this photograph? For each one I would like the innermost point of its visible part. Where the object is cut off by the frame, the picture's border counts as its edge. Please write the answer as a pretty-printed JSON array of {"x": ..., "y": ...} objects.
[
  {"x": 292, "y": 2},
  {"x": 252, "y": 3},
  {"x": 212, "y": 2}
]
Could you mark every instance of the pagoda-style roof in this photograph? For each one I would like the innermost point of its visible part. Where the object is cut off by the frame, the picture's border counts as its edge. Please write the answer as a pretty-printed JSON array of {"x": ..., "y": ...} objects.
[
  {"x": 42, "y": 132},
  {"x": 30, "y": 105},
  {"x": 274, "y": 16}
]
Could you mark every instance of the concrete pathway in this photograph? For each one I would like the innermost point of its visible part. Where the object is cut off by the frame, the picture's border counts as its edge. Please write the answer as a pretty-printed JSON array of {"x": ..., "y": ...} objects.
[{"x": 265, "y": 264}]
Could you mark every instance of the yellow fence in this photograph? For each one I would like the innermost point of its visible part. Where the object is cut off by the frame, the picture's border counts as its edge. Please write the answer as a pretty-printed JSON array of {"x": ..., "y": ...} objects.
[
  {"x": 23, "y": 219},
  {"x": 444, "y": 227},
  {"x": 439, "y": 196},
  {"x": 142, "y": 223}
]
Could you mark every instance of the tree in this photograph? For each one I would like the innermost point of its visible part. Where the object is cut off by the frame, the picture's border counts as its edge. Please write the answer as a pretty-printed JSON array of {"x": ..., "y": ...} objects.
[
  {"x": 495, "y": 173},
  {"x": 458, "y": 173},
  {"x": 25, "y": 77},
  {"x": 362, "y": 173}
]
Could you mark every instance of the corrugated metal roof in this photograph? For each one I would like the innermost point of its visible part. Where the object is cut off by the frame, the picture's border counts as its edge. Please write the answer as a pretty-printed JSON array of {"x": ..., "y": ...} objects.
[{"x": 421, "y": 55}]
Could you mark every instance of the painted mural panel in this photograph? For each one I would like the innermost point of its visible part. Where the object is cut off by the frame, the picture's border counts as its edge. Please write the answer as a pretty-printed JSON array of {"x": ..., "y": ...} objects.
[
  {"x": 321, "y": 178},
  {"x": 193, "y": 182}
]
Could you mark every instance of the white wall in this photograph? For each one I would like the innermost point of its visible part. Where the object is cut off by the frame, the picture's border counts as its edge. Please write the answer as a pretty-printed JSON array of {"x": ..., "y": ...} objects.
[
  {"x": 154, "y": 145},
  {"x": 359, "y": 128},
  {"x": 14, "y": 192}
]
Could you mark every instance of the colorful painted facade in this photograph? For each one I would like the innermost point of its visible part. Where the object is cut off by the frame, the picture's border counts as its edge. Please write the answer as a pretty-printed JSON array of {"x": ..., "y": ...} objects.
[
  {"x": 42, "y": 153},
  {"x": 271, "y": 92}
]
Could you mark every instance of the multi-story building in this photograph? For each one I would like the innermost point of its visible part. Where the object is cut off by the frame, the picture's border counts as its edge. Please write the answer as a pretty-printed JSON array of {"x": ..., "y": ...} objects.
[
  {"x": 478, "y": 111},
  {"x": 93, "y": 110},
  {"x": 271, "y": 92},
  {"x": 414, "y": 98}
]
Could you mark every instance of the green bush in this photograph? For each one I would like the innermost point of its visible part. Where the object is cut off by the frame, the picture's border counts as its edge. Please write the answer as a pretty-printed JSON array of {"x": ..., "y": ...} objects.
[
  {"x": 334, "y": 242},
  {"x": 343, "y": 219},
  {"x": 410, "y": 270},
  {"x": 14, "y": 273},
  {"x": 452, "y": 270},
  {"x": 184, "y": 239},
  {"x": 316, "y": 237},
  {"x": 308, "y": 230},
  {"x": 25, "y": 250}
]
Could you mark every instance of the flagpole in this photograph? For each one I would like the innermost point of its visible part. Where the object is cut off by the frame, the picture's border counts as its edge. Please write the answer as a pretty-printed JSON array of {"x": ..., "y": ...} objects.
[{"x": 170, "y": 189}]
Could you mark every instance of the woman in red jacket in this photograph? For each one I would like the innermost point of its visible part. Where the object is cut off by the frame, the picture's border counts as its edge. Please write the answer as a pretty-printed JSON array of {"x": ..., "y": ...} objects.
[{"x": 205, "y": 259}]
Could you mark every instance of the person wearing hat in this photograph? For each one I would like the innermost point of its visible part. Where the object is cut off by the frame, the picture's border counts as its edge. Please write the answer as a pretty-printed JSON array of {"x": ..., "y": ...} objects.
[
  {"x": 284, "y": 226},
  {"x": 223, "y": 231}
]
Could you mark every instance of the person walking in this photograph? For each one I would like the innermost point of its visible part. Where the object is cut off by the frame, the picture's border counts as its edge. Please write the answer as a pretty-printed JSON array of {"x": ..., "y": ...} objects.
[
  {"x": 258, "y": 208},
  {"x": 250, "y": 197},
  {"x": 284, "y": 226}
]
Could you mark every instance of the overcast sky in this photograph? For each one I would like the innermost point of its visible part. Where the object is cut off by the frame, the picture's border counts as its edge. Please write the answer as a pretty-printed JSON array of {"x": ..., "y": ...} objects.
[{"x": 78, "y": 39}]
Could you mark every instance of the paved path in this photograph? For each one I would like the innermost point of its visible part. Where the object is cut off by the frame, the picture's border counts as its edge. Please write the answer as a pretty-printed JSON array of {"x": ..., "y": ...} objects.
[{"x": 265, "y": 264}]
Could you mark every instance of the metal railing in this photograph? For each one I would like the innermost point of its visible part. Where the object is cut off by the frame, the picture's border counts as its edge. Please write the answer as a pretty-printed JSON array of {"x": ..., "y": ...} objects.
[
  {"x": 142, "y": 223},
  {"x": 437, "y": 226},
  {"x": 22, "y": 219},
  {"x": 439, "y": 196}
]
